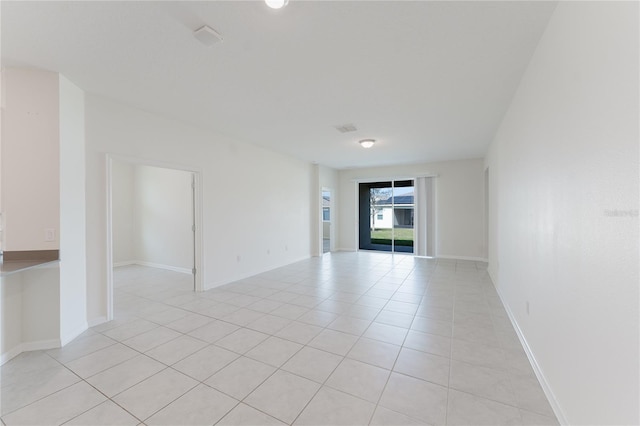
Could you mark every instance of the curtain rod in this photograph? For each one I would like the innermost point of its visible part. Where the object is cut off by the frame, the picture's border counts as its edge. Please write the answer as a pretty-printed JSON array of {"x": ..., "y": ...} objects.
[{"x": 387, "y": 178}]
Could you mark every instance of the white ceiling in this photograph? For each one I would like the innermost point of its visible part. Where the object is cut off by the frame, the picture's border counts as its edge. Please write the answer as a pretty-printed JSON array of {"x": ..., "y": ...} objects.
[{"x": 429, "y": 80}]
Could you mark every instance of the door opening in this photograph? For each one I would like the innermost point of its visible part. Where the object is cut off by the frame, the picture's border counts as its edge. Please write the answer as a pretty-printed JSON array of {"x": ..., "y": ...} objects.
[
  {"x": 327, "y": 216},
  {"x": 486, "y": 213},
  {"x": 386, "y": 216},
  {"x": 153, "y": 221}
]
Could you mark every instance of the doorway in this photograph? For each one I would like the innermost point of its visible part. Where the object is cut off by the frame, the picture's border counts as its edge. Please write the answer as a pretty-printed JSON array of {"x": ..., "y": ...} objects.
[
  {"x": 386, "y": 216},
  {"x": 486, "y": 213},
  {"x": 327, "y": 215},
  {"x": 153, "y": 220}
]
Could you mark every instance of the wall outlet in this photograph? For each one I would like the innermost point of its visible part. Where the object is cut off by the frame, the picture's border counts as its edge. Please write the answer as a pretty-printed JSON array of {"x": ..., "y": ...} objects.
[{"x": 49, "y": 234}]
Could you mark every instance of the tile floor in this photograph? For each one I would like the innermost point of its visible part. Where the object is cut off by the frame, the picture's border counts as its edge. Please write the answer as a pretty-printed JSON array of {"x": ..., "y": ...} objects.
[{"x": 347, "y": 339}]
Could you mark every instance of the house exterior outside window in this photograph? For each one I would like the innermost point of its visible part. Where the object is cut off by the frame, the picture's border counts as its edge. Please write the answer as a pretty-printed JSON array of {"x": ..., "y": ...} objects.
[{"x": 395, "y": 212}]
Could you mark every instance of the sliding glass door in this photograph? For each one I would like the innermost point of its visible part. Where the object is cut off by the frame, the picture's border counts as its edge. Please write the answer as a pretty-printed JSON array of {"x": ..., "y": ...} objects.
[{"x": 386, "y": 213}]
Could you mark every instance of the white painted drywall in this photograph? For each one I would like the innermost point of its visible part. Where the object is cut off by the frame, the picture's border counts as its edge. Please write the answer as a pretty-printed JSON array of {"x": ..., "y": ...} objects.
[
  {"x": 459, "y": 204},
  {"x": 73, "y": 272},
  {"x": 30, "y": 153},
  {"x": 2, "y": 113},
  {"x": 41, "y": 316},
  {"x": 564, "y": 211},
  {"x": 163, "y": 216},
  {"x": 11, "y": 297},
  {"x": 30, "y": 321},
  {"x": 255, "y": 201},
  {"x": 122, "y": 198}
]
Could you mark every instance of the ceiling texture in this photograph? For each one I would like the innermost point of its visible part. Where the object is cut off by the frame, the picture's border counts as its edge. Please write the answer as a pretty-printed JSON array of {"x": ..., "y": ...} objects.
[{"x": 430, "y": 81}]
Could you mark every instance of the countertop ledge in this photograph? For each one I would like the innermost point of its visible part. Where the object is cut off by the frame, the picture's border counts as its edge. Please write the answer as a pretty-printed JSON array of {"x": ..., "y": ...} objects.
[{"x": 18, "y": 261}]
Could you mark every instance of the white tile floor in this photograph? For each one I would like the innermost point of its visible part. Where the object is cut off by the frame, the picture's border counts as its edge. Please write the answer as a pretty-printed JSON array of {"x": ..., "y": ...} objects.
[{"x": 350, "y": 338}]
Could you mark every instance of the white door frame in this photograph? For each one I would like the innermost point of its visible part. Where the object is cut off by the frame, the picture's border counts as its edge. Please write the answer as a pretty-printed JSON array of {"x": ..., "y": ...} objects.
[{"x": 197, "y": 174}]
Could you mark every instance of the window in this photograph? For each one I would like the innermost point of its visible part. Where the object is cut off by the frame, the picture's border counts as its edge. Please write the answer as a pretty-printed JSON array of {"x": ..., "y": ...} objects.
[
  {"x": 326, "y": 216},
  {"x": 380, "y": 216}
]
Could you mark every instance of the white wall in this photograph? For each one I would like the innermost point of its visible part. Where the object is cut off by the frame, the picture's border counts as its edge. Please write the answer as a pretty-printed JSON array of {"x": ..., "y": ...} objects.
[
  {"x": 459, "y": 204},
  {"x": 73, "y": 272},
  {"x": 11, "y": 297},
  {"x": 30, "y": 152},
  {"x": 30, "y": 321},
  {"x": 163, "y": 216},
  {"x": 3, "y": 102},
  {"x": 41, "y": 316},
  {"x": 256, "y": 203},
  {"x": 564, "y": 211},
  {"x": 122, "y": 198}
]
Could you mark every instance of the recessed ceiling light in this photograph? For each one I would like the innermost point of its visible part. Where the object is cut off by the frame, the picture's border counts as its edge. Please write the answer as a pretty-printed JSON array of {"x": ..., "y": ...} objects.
[
  {"x": 367, "y": 143},
  {"x": 276, "y": 4}
]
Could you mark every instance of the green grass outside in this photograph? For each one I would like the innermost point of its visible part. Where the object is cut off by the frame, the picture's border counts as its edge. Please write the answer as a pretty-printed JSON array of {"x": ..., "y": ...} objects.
[{"x": 403, "y": 237}]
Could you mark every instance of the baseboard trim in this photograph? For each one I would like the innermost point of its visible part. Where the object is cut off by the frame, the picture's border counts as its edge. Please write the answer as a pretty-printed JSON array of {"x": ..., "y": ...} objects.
[
  {"x": 555, "y": 406},
  {"x": 10, "y": 354},
  {"x": 39, "y": 345},
  {"x": 161, "y": 266},
  {"x": 70, "y": 336},
  {"x": 152, "y": 265},
  {"x": 471, "y": 258},
  {"x": 97, "y": 321}
]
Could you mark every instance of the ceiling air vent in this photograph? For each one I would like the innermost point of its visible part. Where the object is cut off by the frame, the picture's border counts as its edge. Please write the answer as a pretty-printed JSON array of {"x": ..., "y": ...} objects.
[
  {"x": 346, "y": 128},
  {"x": 207, "y": 35}
]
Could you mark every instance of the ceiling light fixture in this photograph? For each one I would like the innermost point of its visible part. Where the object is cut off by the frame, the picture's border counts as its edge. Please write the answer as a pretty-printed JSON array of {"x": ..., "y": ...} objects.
[
  {"x": 367, "y": 143},
  {"x": 276, "y": 4}
]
